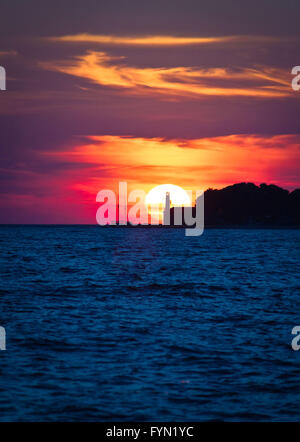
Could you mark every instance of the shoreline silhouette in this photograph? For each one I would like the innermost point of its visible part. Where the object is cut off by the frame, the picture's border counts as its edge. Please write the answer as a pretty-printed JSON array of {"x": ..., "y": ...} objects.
[
  {"x": 249, "y": 205},
  {"x": 244, "y": 205}
]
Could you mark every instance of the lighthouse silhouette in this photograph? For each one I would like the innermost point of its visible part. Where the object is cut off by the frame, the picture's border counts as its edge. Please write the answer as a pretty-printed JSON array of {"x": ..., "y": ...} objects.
[{"x": 166, "y": 217}]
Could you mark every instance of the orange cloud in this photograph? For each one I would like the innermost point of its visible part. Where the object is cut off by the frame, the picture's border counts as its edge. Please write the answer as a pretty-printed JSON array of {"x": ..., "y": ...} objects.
[
  {"x": 161, "y": 40},
  {"x": 102, "y": 69},
  {"x": 191, "y": 164}
]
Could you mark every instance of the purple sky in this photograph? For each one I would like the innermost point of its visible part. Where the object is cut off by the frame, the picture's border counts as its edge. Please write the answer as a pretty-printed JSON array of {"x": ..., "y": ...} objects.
[{"x": 57, "y": 98}]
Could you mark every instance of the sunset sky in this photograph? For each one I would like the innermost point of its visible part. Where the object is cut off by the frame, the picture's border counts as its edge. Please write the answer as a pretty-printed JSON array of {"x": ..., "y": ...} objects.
[{"x": 193, "y": 93}]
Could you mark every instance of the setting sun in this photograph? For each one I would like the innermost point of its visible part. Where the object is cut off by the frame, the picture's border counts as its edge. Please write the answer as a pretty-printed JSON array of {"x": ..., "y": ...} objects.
[{"x": 178, "y": 196}]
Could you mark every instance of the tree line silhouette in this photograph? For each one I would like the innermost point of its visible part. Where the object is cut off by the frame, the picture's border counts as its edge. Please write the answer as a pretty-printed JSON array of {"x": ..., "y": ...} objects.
[{"x": 245, "y": 204}]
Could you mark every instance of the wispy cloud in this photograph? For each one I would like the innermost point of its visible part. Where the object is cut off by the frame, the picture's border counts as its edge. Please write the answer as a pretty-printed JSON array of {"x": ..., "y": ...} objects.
[
  {"x": 161, "y": 40},
  {"x": 8, "y": 53},
  {"x": 105, "y": 70}
]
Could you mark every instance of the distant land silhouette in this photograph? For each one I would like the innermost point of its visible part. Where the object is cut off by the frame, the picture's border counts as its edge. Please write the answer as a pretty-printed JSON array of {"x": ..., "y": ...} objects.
[{"x": 248, "y": 205}]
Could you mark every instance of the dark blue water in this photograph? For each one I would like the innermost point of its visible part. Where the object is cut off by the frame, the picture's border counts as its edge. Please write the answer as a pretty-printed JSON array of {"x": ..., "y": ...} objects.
[{"x": 147, "y": 324}]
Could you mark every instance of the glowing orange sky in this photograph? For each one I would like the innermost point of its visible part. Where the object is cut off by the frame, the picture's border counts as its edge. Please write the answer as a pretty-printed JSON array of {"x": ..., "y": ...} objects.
[{"x": 191, "y": 164}]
